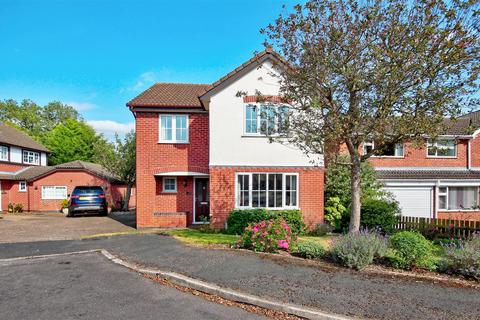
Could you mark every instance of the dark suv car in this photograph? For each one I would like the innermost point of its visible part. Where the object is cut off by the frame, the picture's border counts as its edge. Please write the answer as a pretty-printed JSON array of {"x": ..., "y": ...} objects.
[{"x": 87, "y": 199}]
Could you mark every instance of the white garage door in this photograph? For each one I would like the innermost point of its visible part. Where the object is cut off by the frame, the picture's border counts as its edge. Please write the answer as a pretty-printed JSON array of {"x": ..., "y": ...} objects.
[{"x": 414, "y": 202}]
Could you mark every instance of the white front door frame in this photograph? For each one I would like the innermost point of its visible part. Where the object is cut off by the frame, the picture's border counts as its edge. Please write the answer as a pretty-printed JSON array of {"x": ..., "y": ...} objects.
[{"x": 194, "y": 220}]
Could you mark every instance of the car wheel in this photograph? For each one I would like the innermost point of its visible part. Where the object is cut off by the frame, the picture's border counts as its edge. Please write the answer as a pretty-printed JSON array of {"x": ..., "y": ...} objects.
[
  {"x": 104, "y": 212},
  {"x": 70, "y": 213}
]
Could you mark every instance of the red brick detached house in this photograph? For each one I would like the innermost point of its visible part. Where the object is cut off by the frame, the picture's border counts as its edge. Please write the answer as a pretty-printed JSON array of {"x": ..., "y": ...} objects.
[
  {"x": 440, "y": 180},
  {"x": 202, "y": 151},
  {"x": 26, "y": 179}
]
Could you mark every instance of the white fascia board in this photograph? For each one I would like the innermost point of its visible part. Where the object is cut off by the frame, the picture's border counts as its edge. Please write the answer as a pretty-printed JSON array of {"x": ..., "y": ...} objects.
[{"x": 181, "y": 174}]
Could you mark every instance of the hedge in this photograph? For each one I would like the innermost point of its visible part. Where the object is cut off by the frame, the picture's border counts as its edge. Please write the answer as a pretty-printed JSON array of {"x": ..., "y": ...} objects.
[{"x": 240, "y": 219}]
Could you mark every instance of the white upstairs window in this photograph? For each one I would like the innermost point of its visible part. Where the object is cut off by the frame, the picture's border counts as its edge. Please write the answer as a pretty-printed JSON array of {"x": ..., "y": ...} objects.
[
  {"x": 173, "y": 128},
  {"x": 31, "y": 157},
  {"x": 265, "y": 119},
  {"x": 443, "y": 148}
]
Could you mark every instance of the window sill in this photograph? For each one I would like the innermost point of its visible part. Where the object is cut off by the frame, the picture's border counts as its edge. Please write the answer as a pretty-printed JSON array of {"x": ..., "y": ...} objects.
[
  {"x": 272, "y": 209},
  {"x": 173, "y": 142},
  {"x": 459, "y": 210},
  {"x": 442, "y": 157},
  {"x": 169, "y": 192}
]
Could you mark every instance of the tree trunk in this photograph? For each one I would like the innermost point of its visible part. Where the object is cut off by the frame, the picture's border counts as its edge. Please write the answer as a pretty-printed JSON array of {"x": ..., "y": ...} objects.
[
  {"x": 355, "y": 185},
  {"x": 127, "y": 197}
]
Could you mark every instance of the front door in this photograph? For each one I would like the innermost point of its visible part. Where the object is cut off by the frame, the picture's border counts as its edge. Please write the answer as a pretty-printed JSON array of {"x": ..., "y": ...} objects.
[{"x": 202, "y": 200}]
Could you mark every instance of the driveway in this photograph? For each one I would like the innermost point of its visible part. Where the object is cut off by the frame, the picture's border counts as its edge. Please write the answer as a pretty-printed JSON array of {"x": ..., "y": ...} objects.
[
  {"x": 90, "y": 287},
  {"x": 55, "y": 226}
]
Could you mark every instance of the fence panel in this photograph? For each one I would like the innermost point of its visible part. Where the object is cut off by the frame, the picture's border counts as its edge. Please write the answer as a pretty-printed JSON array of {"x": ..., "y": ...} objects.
[{"x": 439, "y": 227}]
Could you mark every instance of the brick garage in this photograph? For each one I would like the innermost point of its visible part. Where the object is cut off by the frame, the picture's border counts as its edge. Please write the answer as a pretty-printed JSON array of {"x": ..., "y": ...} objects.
[{"x": 38, "y": 177}]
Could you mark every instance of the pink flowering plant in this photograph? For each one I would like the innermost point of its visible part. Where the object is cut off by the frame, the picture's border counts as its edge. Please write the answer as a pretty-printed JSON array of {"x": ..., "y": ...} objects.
[{"x": 268, "y": 236}]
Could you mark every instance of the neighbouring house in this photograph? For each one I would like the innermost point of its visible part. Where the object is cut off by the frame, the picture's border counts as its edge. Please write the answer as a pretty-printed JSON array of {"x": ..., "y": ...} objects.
[
  {"x": 26, "y": 179},
  {"x": 440, "y": 179},
  {"x": 203, "y": 150}
]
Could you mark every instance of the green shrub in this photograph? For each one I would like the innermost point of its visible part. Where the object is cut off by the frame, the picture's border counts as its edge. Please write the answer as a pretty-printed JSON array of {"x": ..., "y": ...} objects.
[
  {"x": 310, "y": 249},
  {"x": 411, "y": 249},
  {"x": 334, "y": 210},
  {"x": 18, "y": 208},
  {"x": 463, "y": 258},
  {"x": 64, "y": 204},
  {"x": 379, "y": 214},
  {"x": 358, "y": 250},
  {"x": 268, "y": 236},
  {"x": 240, "y": 219}
]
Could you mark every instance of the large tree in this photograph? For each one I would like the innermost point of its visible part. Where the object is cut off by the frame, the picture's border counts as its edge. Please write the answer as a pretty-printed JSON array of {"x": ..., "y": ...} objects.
[
  {"x": 35, "y": 120},
  {"x": 121, "y": 160},
  {"x": 74, "y": 140},
  {"x": 381, "y": 70}
]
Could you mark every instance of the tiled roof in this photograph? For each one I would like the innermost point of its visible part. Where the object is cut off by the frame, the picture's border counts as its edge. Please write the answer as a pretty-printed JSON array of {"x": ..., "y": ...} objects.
[
  {"x": 412, "y": 174},
  {"x": 183, "y": 95},
  {"x": 34, "y": 172},
  {"x": 15, "y": 137}
]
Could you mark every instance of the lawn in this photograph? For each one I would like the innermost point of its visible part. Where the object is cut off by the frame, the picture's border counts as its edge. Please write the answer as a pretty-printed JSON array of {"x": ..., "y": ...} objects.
[{"x": 196, "y": 237}]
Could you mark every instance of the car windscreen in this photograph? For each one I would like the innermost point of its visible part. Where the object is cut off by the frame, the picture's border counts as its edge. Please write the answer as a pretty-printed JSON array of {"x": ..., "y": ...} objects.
[{"x": 87, "y": 190}]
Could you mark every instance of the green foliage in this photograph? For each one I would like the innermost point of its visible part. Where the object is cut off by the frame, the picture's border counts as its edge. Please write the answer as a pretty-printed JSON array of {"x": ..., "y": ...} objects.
[
  {"x": 358, "y": 250},
  {"x": 64, "y": 204},
  {"x": 411, "y": 249},
  {"x": 268, "y": 236},
  {"x": 338, "y": 182},
  {"x": 379, "y": 214},
  {"x": 120, "y": 159},
  {"x": 310, "y": 249},
  {"x": 238, "y": 220},
  {"x": 73, "y": 140},
  {"x": 35, "y": 120},
  {"x": 334, "y": 210},
  {"x": 463, "y": 258},
  {"x": 18, "y": 208}
]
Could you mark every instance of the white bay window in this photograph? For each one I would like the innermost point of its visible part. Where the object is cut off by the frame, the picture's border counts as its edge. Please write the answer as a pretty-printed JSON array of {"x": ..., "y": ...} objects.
[
  {"x": 267, "y": 190},
  {"x": 173, "y": 128}
]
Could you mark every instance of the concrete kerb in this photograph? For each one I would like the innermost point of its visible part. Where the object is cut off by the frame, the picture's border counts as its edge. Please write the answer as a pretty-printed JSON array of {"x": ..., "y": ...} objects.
[{"x": 200, "y": 285}]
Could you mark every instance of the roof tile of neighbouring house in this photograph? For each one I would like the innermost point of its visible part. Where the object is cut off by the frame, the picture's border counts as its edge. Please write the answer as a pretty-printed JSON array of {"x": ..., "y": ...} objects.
[
  {"x": 412, "y": 174},
  {"x": 183, "y": 95},
  {"x": 15, "y": 137},
  {"x": 34, "y": 172}
]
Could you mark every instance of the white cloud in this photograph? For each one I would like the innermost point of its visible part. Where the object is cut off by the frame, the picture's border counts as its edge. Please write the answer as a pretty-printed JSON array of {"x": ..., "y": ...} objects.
[
  {"x": 81, "y": 106},
  {"x": 144, "y": 80},
  {"x": 108, "y": 127}
]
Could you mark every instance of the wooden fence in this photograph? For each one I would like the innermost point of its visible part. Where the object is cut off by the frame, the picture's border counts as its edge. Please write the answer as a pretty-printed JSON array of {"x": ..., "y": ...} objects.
[{"x": 439, "y": 228}]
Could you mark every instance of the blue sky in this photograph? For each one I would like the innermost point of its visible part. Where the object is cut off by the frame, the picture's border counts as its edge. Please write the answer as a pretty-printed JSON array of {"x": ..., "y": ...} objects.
[{"x": 97, "y": 55}]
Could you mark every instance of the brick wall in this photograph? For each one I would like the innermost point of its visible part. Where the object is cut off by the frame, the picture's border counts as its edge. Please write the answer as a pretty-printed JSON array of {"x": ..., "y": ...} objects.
[
  {"x": 475, "y": 154},
  {"x": 417, "y": 157},
  {"x": 154, "y": 158},
  {"x": 459, "y": 215},
  {"x": 10, "y": 167},
  {"x": 222, "y": 192}
]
